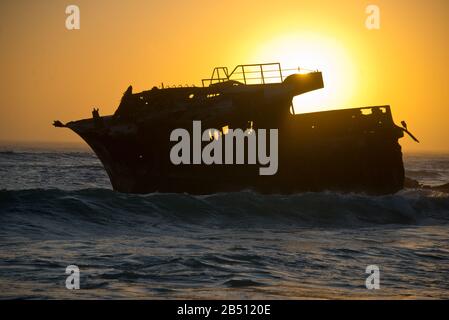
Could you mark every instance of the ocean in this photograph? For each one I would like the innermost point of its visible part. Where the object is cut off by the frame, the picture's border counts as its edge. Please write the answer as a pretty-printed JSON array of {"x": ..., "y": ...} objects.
[{"x": 57, "y": 209}]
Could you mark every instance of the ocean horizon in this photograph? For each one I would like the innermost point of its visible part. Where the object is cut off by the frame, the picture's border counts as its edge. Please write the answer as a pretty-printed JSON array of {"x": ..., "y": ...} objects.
[{"x": 57, "y": 208}]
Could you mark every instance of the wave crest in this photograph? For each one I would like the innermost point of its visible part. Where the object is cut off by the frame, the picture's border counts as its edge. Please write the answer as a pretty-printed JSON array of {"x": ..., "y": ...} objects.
[{"x": 102, "y": 208}]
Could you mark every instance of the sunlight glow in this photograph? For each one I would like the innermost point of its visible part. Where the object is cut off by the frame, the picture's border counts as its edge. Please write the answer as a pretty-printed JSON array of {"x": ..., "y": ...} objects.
[{"x": 314, "y": 52}]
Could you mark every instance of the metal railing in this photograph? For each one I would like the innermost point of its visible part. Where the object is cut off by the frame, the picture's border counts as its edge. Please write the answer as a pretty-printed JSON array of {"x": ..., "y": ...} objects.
[{"x": 261, "y": 73}]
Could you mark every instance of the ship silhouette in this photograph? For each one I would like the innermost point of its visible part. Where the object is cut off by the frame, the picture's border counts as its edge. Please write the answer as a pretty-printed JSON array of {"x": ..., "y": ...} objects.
[{"x": 348, "y": 150}]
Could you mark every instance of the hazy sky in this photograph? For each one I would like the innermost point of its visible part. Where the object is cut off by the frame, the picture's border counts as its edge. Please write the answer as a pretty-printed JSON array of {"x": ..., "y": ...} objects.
[{"x": 49, "y": 72}]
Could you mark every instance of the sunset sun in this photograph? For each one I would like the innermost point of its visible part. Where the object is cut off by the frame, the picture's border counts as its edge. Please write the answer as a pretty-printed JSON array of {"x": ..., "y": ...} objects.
[{"x": 312, "y": 52}]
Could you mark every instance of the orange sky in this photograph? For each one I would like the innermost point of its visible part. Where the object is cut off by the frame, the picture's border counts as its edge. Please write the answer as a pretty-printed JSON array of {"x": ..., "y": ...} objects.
[{"x": 48, "y": 72}]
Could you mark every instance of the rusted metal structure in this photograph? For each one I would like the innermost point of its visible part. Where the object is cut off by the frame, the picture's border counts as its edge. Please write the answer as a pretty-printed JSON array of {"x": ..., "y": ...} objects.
[{"x": 345, "y": 150}]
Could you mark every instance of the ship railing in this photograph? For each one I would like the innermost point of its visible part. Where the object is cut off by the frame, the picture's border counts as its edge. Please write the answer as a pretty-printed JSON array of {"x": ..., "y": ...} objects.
[{"x": 262, "y": 73}]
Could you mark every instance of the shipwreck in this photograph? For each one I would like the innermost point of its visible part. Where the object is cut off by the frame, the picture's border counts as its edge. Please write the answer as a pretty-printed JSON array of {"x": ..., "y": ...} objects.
[{"x": 348, "y": 150}]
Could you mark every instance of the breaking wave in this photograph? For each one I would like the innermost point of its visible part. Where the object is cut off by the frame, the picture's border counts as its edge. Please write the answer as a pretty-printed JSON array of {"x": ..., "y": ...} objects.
[{"x": 101, "y": 210}]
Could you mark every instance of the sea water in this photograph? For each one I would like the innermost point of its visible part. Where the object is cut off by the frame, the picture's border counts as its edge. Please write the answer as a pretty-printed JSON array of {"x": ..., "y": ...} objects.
[{"x": 57, "y": 209}]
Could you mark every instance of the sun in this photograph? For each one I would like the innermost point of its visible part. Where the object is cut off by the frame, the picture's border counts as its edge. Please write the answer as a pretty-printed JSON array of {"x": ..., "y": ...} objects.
[{"x": 314, "y": 52}]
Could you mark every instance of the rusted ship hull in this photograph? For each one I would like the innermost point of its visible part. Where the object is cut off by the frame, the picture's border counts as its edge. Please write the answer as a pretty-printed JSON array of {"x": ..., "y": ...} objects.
[
  {"x": 330, "y": 150},
  {"x": 345, "y": 150}
]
